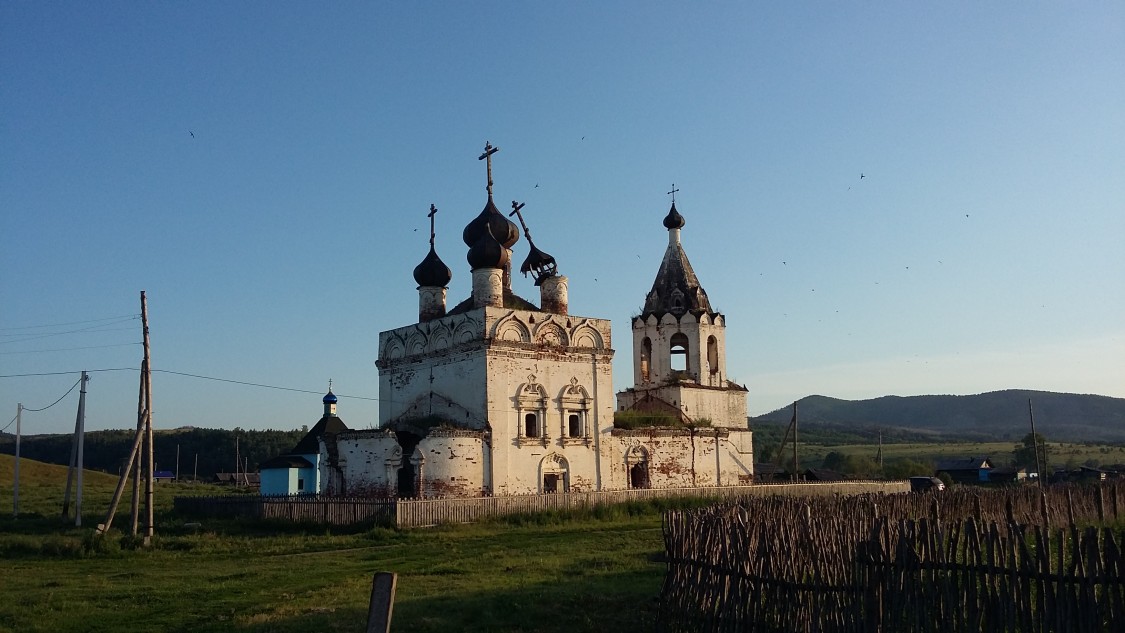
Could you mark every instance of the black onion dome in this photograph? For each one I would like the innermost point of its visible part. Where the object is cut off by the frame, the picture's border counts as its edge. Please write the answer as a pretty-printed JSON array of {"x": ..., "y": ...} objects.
[
  {"x": 487, "y": 252},
  {"x": 504, "y": 230},
  {"x": 432, "y": 272},
  {"x": 539, "y": 264},
  {"x": 674, "y": 220}
]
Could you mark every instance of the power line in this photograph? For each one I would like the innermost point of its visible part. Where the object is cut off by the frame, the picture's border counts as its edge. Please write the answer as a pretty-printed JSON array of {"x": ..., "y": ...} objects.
[
  {"x": 254, "y": 384},
  {"x": 56, "y": 401},
  {"x": 64, "y": 373},
  {"x": 33, "y": 327},
  {"x": 180, "y": 373},
  {"x": 93, "y": 329},
  {"x": 10, "y": 423},
  {"x": 69, "y": 349}
]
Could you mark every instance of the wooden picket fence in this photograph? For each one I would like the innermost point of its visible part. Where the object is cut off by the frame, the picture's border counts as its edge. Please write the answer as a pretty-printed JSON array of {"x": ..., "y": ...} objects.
[
  {"x": 409, "y": 513},
  {"x": 963, "y": 562}
]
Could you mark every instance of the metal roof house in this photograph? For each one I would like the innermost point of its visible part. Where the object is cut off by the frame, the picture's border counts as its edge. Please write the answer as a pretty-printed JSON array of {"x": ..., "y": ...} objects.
[{"x": 972, "y": 470}]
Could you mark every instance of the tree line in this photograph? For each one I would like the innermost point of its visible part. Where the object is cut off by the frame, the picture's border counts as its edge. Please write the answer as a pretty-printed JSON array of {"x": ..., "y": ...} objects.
[{"x": 202, "y": 452}]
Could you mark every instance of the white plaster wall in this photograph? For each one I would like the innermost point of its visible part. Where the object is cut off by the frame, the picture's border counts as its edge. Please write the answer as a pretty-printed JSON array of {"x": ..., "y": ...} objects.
[
  {"x": 454, "y": 464},
  {"x": 678, "y": 459},
  {"x": 561, "y": 353},
  {"x": 364, "y": 457}
]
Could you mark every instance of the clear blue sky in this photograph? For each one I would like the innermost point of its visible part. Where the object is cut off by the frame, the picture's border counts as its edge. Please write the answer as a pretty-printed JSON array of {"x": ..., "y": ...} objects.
[{"x": 983, "y": 249}]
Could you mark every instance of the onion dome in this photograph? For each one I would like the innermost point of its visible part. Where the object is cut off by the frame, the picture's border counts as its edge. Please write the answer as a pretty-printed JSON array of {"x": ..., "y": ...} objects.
[
  {"x": 491, "y": 220},
  {"x": 486, "y": 252},
  {"x": 539, "y": 264},
  {"x": 674, "y": 220},
  {"x": 432, "y": 271},
  {"x": 329, "y": 398}
]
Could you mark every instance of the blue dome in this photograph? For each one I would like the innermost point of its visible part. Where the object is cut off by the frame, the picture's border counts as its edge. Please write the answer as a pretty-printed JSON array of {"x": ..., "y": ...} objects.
[{"x": 329, "y": 398}]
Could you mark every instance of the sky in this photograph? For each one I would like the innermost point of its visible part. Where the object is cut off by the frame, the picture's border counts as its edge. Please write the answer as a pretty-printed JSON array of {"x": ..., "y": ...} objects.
[{"x": 882, "y": 198}]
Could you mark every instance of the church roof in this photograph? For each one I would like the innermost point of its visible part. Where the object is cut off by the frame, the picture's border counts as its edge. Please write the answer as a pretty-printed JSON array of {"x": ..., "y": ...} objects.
[
  {"x": 285, "y": 461},
  {"x": 310, "y": 443},
  {"x": 676, "y": 288},
  {"x": 512, "y": 301},
  {"x": 432, "y": 272}
]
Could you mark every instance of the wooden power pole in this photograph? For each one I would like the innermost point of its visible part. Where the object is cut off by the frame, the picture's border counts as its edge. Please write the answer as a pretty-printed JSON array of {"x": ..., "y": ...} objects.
[{"x": 140, "y": 455}]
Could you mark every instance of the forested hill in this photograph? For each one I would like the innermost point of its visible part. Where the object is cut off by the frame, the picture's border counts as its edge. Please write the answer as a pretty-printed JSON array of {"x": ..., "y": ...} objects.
[
  {"x": 214, "y": 448},
  {"x": 998, "y": 415}
]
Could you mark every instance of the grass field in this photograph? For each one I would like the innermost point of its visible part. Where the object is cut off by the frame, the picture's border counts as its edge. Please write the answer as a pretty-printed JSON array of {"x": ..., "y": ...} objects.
[
  {"x": 1061, "y": 454},
  {"x": 540, "y": 574}
]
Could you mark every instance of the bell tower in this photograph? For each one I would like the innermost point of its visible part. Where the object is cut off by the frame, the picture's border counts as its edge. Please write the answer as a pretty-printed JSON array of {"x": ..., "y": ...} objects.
[{"x": 679, "y": 345}]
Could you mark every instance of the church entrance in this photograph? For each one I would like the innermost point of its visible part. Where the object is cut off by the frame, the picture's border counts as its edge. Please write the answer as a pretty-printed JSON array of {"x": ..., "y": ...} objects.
[
  {"x": 550, "y": 483},
  {"x": 636, "y": 461},
  {"x": 407, "y": 471},
  {"x": 638, "y": 476},
  {"x": 554, "y": 474}
]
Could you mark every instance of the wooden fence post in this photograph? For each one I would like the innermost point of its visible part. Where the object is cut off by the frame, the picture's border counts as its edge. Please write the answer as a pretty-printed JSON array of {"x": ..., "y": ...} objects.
[{"x": 382, "y": 602}]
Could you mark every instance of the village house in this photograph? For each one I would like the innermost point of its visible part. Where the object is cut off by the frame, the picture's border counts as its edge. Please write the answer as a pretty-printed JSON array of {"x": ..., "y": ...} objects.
[{"x": 971, "y": 470}]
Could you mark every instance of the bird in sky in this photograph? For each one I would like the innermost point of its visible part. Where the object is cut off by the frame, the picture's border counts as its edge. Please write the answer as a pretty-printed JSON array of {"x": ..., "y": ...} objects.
[
  {"x": 192, "y": 133},
  {"x": 536, "y": 185},
  {"x": 861, "y": 176}
]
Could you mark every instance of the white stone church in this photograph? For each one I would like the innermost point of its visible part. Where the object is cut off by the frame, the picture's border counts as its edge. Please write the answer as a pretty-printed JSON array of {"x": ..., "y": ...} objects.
[{"x": 496, "y": 395}]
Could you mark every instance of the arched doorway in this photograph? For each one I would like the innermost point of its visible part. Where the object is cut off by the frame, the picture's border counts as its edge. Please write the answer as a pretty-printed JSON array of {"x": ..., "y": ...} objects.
[
  {"x": 554, "y": 474},
  {"x": 636, "y": 464}
]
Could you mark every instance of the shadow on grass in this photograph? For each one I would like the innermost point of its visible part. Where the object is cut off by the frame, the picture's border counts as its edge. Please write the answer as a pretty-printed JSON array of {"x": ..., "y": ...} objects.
[{"x": 616, "y": 602}]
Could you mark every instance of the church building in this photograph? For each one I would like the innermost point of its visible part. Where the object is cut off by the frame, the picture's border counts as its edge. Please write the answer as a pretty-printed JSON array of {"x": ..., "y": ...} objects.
[{"x": 496, "y": 395}]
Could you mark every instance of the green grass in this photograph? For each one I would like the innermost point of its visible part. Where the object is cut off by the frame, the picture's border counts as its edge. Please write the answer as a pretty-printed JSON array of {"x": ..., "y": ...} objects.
[
  {"x": 588, "y": 572},
  {"x": 1061, "y": 454}
]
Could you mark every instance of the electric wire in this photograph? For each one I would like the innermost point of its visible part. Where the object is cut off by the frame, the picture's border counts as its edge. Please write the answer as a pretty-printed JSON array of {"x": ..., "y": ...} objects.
[
  {"x": 56, "y": 401},
  {"x": 93, "y": 329},
  {"x": 69, "y": 349},
  {"x": 10, "y": 423},
  {"x": 33, "y": 327},
  {"x": 255, "y": 384},
  {"x": 180, "y": 373}
]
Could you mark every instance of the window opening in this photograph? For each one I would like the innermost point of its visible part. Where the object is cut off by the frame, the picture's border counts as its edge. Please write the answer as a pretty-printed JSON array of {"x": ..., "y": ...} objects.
[{"x": 679, "y": 352}]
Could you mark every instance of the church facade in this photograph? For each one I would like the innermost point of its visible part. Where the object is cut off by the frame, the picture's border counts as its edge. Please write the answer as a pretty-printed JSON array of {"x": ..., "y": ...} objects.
[{"x": 499, "y": 396}]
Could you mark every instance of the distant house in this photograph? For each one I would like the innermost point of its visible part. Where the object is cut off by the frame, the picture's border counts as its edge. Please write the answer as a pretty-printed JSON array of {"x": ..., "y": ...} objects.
[
  {"x": 823, "y": 474},
  {"x": 769, "y": 473},
  {"x": 298, "y": 472},
  {"x": 163, "y": 476},
  {"x": 972, "y": 470},
  {"x": 248, "y": 480},
  {"x": 1009, "y": 475}
]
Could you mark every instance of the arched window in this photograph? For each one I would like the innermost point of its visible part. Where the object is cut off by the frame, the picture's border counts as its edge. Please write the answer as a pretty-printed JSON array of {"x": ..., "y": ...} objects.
[
  {"x": 574, "y": 403},
  {"x": 679, "y": 352},
  {"x": 646, "y": 359},
  {"x": 713, "y": 354},
  {"x": 531, "y": 408}
]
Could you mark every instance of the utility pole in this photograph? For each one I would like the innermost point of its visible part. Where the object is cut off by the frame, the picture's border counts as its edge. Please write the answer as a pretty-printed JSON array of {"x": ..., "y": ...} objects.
[
  {"x": 149, "y": 465},
  {"x": 1035, "y": 444},
  {"x": 796, "y": 468},
  {"x": 16, "y": 489},
  {"x": 177, "y": 463},
  {"x": 77, "y": 461},
  {"x": 142, "y": 446},
  {"x": 195, "y": 471}
]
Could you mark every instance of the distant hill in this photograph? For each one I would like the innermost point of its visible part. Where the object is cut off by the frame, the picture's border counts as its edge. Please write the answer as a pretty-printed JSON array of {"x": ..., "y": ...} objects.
[{"x": 998, "y": 415}]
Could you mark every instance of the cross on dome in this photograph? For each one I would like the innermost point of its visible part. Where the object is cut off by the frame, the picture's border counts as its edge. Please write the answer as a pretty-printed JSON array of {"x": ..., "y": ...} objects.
[{"x": 489, "y": 150}]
